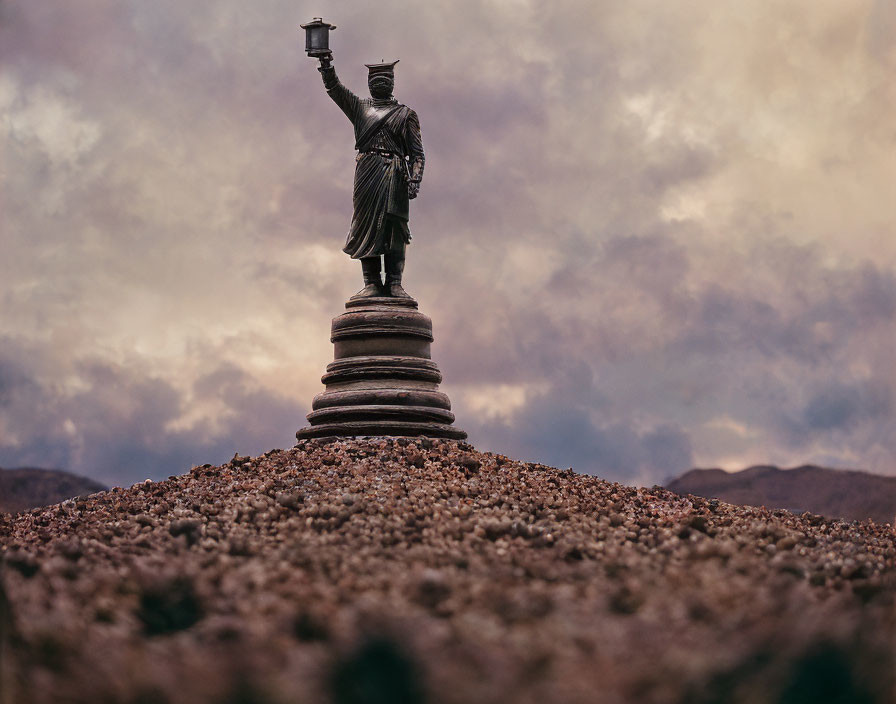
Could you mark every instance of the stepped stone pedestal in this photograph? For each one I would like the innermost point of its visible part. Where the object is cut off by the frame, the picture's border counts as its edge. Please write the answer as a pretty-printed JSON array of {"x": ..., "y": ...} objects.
[{"x": 382, "y": 380}]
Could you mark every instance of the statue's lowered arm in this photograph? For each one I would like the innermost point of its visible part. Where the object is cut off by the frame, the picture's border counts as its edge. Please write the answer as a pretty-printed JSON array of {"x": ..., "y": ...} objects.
[{"x": 416, "y": 159}]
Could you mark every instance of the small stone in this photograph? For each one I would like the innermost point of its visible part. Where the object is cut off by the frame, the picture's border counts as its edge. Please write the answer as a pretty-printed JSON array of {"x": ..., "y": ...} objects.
[
  {"x": 309, "y": 628},
  {"x": 626, "y": 600},
  {"x": 239, "y": 547},
  {"x": 470, "y": 463},
  {"x": 787, "y": 543},
  {"x": 431, "y": 589},
  {"x": 574, "y": 553},
  {"x": 290, "y": 500},
  {"x": 817, "y": 579},
  {"x": 183, "y": 526},
  {"x": 168, "y": 605},
  {"x": 71, "y": 549},
  {"x": 22, "y": 562},
  {"x": 496, "y": 529},
  {"x": 698, "y": 523}
]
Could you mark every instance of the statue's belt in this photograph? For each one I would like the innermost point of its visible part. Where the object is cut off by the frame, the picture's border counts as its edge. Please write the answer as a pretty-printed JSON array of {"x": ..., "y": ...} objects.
[
  {"x": 381, "y": 152},
  {"x": 405, "y": 172}
]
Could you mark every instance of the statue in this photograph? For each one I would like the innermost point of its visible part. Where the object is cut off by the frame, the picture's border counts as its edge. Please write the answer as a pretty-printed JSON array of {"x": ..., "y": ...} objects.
[
  {"x": 388, "y": 171},
  {"x": 382, "y": 380}
]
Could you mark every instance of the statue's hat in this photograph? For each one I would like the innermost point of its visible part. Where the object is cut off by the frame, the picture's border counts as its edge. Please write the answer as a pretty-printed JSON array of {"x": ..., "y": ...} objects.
[{"x": 386, "y": 68}]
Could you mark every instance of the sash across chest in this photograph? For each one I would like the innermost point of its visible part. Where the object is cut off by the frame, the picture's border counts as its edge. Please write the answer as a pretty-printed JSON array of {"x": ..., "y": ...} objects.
[{"x": 374, "y": 127}]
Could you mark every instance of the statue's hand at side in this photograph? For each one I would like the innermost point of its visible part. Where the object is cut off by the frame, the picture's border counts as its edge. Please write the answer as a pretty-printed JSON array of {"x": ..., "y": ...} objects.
[{"x": 413, "y": 189}]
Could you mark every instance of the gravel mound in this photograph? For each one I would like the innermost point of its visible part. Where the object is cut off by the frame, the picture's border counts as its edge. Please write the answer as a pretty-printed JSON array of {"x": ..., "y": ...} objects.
[{"x": 417, "y": 570}]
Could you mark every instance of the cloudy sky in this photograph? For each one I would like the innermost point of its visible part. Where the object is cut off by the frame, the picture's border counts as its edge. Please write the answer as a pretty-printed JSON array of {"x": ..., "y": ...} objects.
[{"x": 651, "y": 235}]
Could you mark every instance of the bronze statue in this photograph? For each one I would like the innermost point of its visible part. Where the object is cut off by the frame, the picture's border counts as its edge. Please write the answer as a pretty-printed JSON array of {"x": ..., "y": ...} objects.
[
  {"x": 382, "y": 380},
  {"x": 388, "y": 171}
]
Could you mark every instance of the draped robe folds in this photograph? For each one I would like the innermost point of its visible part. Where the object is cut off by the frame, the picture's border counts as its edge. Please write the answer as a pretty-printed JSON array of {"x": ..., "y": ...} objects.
[{"x": 380, "y": 198}]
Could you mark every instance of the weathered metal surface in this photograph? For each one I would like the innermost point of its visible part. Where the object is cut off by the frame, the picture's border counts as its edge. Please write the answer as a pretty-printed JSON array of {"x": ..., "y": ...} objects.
[
  {"x": 388, "y": 168},
  {"x": 384, "y": 427},
  {"x": 317, "y": 37},
  {"x": 372, "y": 367},
  {"x": 417, "y": 414},
  {"x": 382, "y": 380},
  {"x": 387, "y": 396}
]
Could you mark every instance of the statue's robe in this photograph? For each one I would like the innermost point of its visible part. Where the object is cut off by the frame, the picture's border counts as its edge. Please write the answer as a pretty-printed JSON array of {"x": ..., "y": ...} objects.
[{"x": 380, "y": 220}]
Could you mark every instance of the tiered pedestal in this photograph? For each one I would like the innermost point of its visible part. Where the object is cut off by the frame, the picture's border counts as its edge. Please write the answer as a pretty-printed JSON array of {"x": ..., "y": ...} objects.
[{"x": 382, "y": 380}]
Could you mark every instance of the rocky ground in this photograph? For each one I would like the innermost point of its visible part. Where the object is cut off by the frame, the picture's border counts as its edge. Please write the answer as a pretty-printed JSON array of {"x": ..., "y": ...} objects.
[{"x": 423, "y": 571}]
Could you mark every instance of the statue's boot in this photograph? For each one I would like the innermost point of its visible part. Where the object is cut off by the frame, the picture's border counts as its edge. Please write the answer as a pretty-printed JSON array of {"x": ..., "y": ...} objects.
[
  {"x": 373, "y": 283},
  {"x": 394, "y": 271}
]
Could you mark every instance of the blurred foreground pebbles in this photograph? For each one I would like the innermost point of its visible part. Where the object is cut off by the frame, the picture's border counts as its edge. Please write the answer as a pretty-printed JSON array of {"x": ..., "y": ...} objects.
[{"x": 420, "y": 570}]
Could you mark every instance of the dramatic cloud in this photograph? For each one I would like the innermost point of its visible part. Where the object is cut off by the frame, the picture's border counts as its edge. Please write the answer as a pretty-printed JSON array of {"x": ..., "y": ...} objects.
[{"x": 650, "y": 235}]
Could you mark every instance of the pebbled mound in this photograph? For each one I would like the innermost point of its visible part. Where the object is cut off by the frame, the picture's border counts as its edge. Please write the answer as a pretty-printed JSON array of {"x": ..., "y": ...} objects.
[{"x": 418, "y": 570}]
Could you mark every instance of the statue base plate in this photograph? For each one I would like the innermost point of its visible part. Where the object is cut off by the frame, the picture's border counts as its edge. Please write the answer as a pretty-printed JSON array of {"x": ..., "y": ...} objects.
[{"x": 382, "y": 381}]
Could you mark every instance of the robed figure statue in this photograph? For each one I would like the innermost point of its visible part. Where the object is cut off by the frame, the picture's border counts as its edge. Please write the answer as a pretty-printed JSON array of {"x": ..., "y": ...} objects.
[
  {"x": 382, "y": 380},
  {"x": 388, "y": 171}
]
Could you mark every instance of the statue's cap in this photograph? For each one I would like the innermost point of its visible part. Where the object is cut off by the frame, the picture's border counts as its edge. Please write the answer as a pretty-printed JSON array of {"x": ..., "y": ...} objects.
[{"x": 386, "y": 68}]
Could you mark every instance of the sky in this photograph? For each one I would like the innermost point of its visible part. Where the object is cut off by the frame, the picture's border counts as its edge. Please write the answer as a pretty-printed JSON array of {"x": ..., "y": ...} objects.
[{"x": 650, "y": 235}]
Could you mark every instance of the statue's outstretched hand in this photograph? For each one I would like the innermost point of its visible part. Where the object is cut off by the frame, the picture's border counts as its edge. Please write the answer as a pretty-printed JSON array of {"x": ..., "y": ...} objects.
[{"x": 326, "y": 60}]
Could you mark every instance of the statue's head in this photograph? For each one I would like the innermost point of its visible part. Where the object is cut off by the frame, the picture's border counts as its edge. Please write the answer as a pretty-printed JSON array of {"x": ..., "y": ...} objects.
[
  {"x": 381, "y": 79},
  {"x": 381, "y": 87}
]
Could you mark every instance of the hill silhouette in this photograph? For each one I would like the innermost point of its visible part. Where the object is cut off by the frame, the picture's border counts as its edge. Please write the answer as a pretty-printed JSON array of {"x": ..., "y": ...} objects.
[
  {"x": 838, "y": 493},
  {"x": 410, "y": 571},
  {"x": 29, "y": 487}
]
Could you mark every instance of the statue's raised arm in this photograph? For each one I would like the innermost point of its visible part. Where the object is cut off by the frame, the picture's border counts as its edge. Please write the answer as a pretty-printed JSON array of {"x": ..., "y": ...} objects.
[{"x": 348, "y": 102}]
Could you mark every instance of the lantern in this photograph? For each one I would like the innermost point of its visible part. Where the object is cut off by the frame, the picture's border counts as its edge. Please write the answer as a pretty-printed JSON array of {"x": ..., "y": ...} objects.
[{"x": 317, "y": 36}]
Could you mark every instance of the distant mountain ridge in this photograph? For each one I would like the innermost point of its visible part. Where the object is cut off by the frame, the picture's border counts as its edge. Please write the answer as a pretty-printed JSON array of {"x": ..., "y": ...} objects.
[
  {"x": 30, "y": 487},
  {"x": 836, "y": 493}
]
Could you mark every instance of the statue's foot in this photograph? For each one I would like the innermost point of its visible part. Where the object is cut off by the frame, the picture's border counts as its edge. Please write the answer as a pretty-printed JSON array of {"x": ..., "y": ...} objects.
[
  {"x": 369, "y": 291},
  {"x": 396, "y": 291}
]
